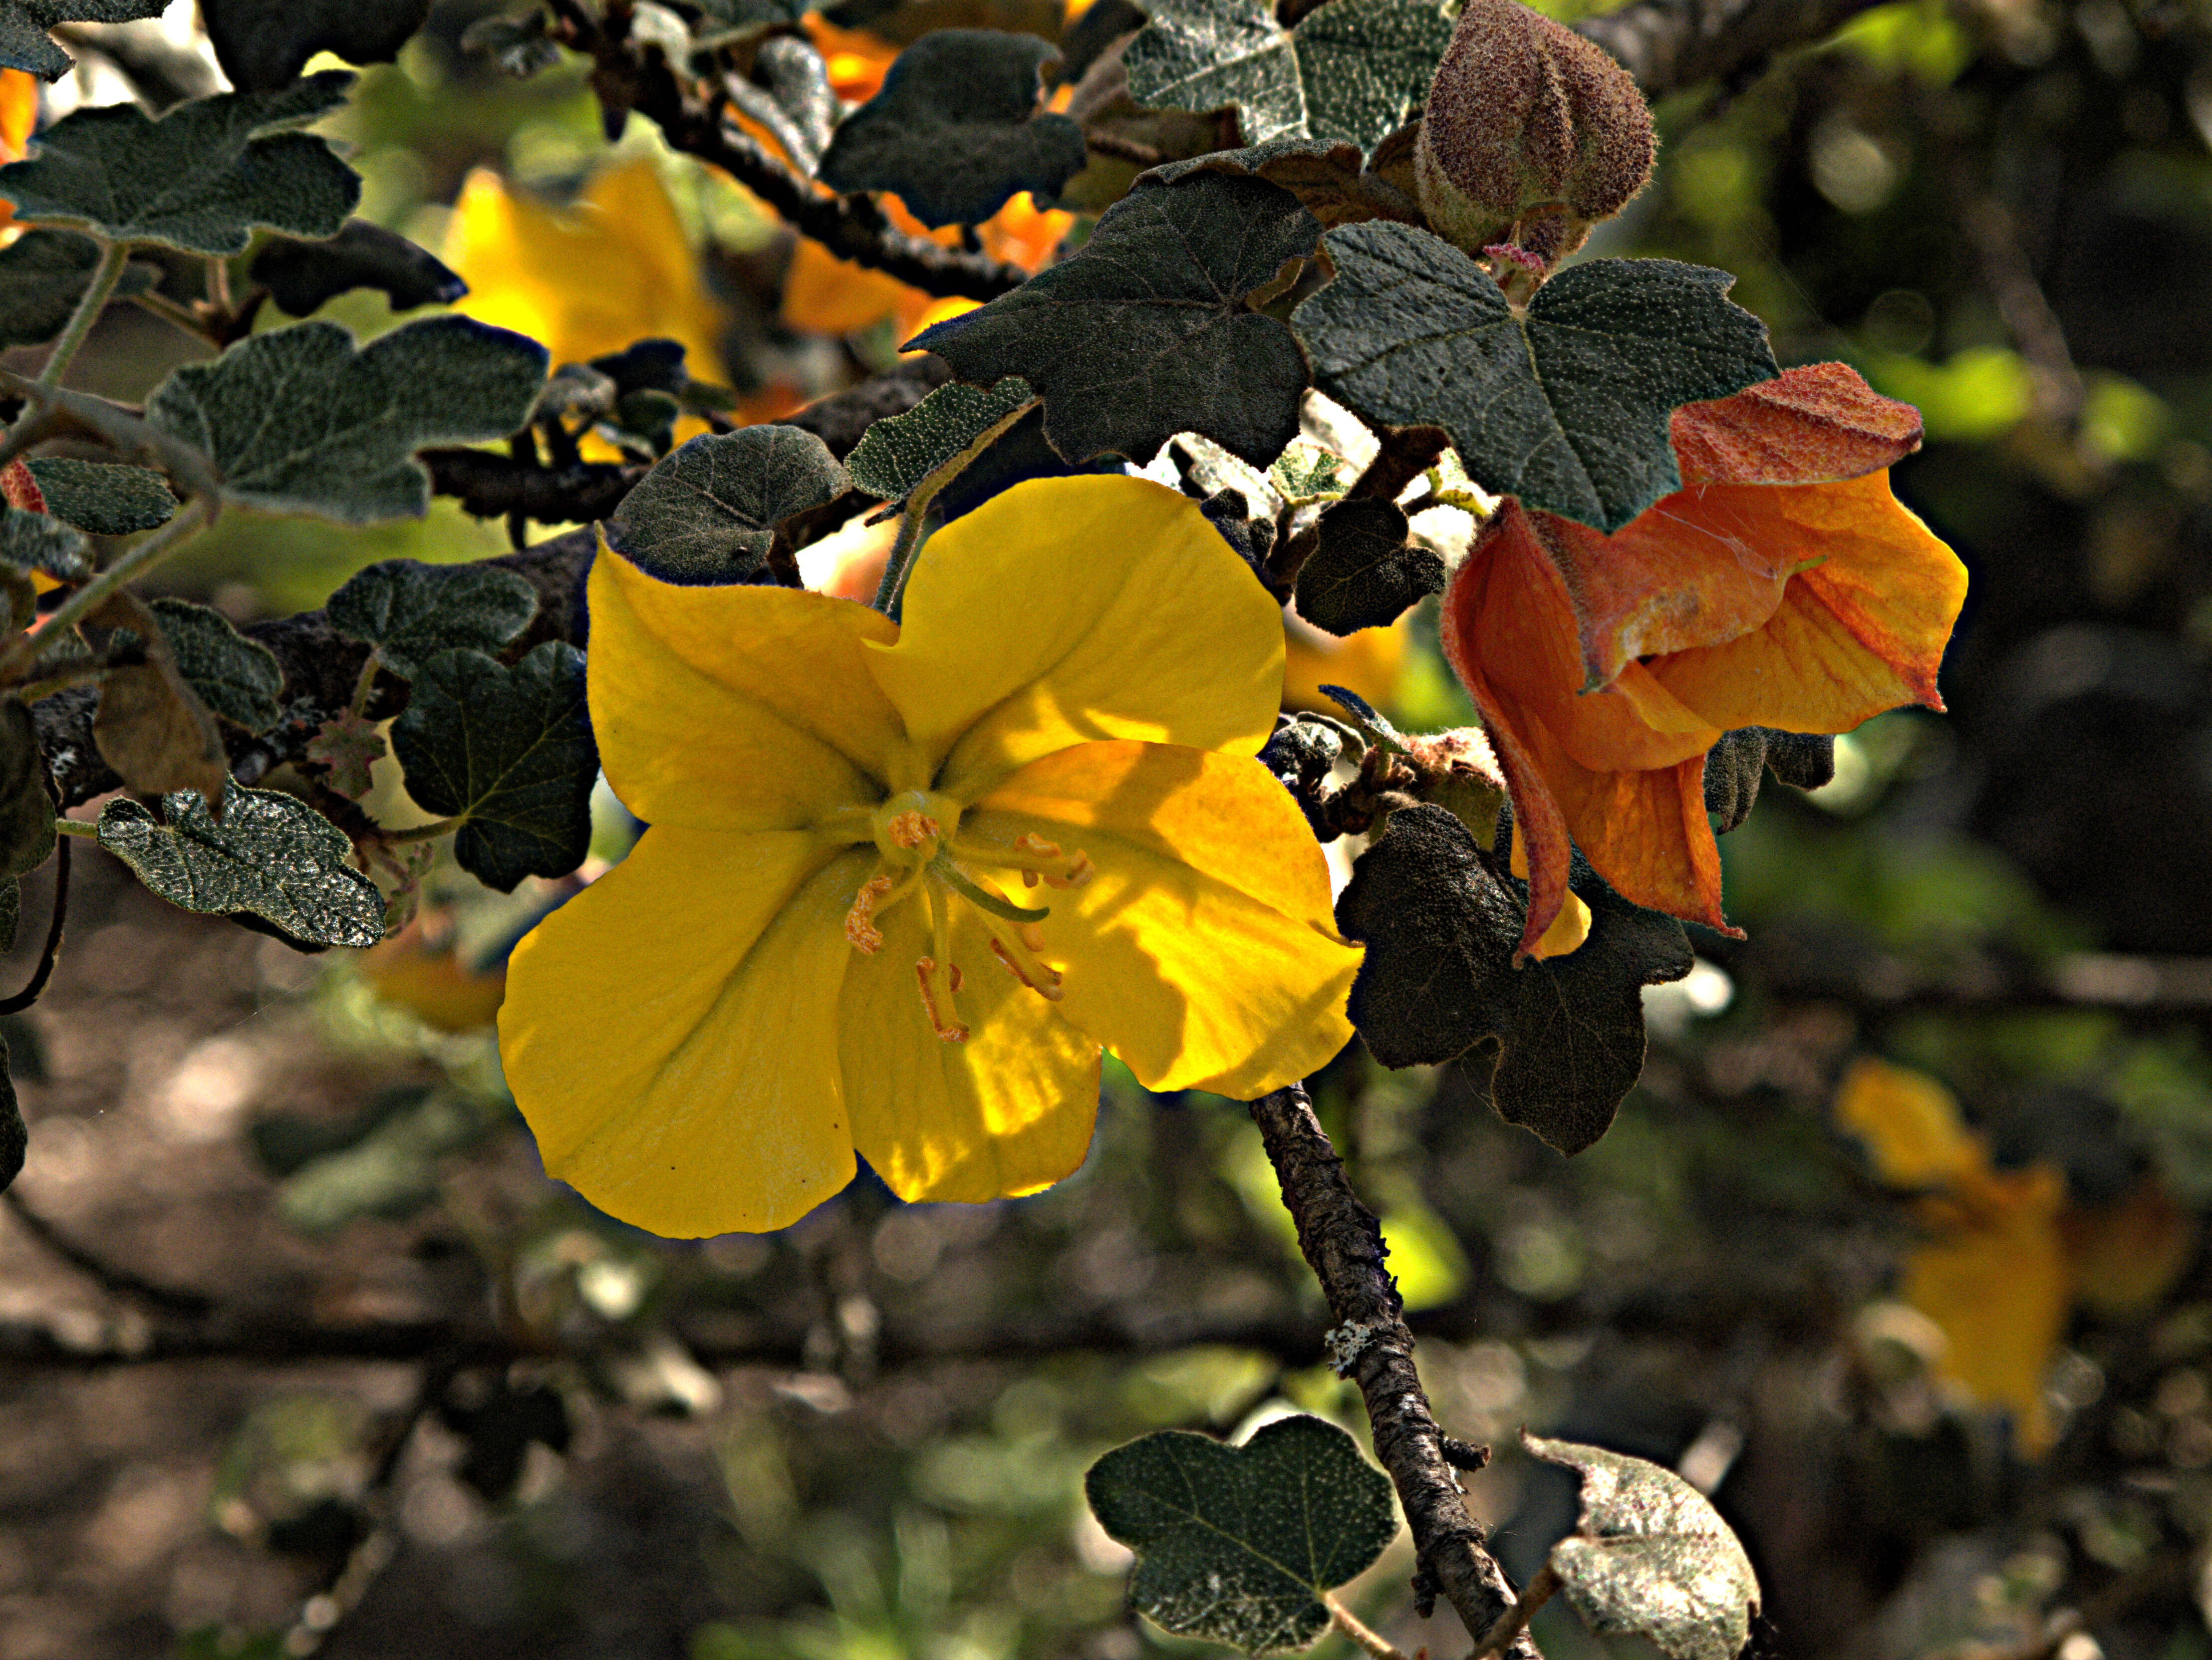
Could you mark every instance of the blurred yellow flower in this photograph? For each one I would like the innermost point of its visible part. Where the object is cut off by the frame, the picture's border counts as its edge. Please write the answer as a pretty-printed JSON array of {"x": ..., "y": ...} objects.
[
  {"x": 1368, "y": 662},
  {"x": 831, "y": 938},
  {"x": 825, "y": 294}
]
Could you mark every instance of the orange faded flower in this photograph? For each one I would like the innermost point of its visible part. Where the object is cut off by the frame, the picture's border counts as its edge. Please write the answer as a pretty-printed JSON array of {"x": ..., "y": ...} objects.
[
  {"x": 1782, "y": 585},
  {"x": 19, "y": 113}
]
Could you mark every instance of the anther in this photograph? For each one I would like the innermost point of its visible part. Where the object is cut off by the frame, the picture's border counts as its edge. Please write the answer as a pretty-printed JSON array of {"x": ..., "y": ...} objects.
[
  {"x": 1079, "y": 870},
  {"x": 912, "y": 827},
  {"x": 1049, "y": 990},
  {"x": 954, "y": 1032},
  {"x": 860, "y": 928}
]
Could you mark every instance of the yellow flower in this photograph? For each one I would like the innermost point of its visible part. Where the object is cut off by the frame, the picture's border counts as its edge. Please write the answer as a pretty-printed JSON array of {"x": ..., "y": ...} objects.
[{"x": 902, "y": 880}]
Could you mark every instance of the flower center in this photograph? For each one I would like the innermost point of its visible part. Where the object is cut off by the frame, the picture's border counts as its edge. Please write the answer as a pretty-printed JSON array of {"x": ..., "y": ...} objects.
[{"x": 921, "y": 851}]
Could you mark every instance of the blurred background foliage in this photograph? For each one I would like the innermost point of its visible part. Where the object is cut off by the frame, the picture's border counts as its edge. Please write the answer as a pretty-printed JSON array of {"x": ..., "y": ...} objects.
[{"x": 1899, "y": 1250}]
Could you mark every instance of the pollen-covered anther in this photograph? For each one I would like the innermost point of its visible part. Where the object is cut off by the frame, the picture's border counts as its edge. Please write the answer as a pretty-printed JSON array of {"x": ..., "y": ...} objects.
[
  {"x": 1076, "y": 868},
  {"x": 1079, "y": 871},
  {"x": 861, "y": 930},
  {"x": 1047, "y": 987},
  {"x": 911, "y": 829},
  {"x": 943, "y": 1020}
]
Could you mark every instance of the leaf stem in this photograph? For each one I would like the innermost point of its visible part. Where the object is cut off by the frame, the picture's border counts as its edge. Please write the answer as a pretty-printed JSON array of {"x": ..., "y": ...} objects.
[
  {"x": 364, "y": 684},
  {"x": 170, "y": 312},
  {"x": 1351, "y": 1626},
  {"x": 75, "y": 827},
  {"x": 429, "y": 832},
  {"x": 105, "y": 276},
  {"x": 1515, "y": 1620},
  {"x": 189, "y": 520},
  {"x": 891, "y": 594},
  {"x": 51, "y": 952}
]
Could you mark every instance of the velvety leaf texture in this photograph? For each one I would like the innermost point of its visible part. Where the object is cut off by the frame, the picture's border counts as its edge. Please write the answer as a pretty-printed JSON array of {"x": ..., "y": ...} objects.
[
  {"x": 1237, "y": 1544},
  {"x": 410, "y": 613},
  {"x": 1651, "y": 1557},
  {"x": 24, "y": 23},
  {"x": 236, "y": 677},
  {"x": 26, "y": 811},
  {"x": 706, "y": 515},
  {"x": 509, "y": 750},
  {"x": 1438, "y": 977},
  {"x": 272, "y": 856},
  {"x": 1735, "y": 766},
  {"x": 1365, "y": 573},
  {"x": 1326, "y": 176},
  {"x": 200, "y": 178},
  {"x": 956, "y": 130},
  {"x": 302, "y": 421},
  {"x": 102, "y": 499},
  {"x": 895, "y": 455},
  {"x": 1566, "y": 408},
  {"x": 42, "y": 542},
  {"x": 1145, "y": 333},
  {"x": 1351, "y": 70},
  {"x": 263, "y": 44},
  {"x": 302, "y": 275},
  {"x": 43, "y": 274}
]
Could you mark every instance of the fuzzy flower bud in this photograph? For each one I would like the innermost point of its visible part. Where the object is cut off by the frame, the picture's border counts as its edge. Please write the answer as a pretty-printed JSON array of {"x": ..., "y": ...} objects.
[{"x": 1532, "y": 135}]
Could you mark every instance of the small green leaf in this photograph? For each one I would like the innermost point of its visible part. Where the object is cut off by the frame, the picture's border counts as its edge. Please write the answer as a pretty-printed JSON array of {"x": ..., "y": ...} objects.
[
  {"x": 1567, "y": 407},
  {"x": 1367, "y": 571},
  {"x": 1440, "y": 928},
  {"x": 24, "y": 23},
  {"x": 895, "y": 455},
  {"x": 263, "y": 44},
  {"x": 300, "y": 420},
  {"x": 509, "y": 750},
  {"x": 1303, "y": 474},
  {"x": 1734, "y": 765},
  {"x": 41, "y": 542},
  {"x": 302, "y": 275},
  {"x": 102, "y": 499},
  {"x": 410, "y": 611},
  {"x": 236, "y": 677},
  {"x": 1650, "y": 1557},
  {"x": 27, "y": 810},
  {"x": 1146, "y": 332},
  {"x": 1238, "y": 1544},
  {"x": 43, "y": 275},
  {"x": 706, "y": 515},
  {"x": 956, "y": 130},
  {"x": 350, "y": 746},
  {"x": 200, "y": 178},
  {"x": 272, "y": 856},
  {"x": 1351, "y": 70}
]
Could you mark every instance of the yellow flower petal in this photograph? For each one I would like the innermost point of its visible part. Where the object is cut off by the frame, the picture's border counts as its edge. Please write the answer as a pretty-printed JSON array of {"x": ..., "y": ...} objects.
[
  {"x": 734, "y": 708},
  {"x": 1007, "y": 1112},
  {"x": 1914, "y": 1134},
  {"x": 1067, "y": 609},
  {"x": 671, "y": 1032},
  {"x": 1204, "y": 951}
]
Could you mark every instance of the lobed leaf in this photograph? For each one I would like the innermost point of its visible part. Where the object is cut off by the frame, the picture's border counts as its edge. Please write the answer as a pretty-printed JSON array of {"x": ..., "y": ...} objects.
[
  {"x": 201, "y": 178},
  {"x": 895, "y": 454},
  {"x": 1367, "y": 571},
  {"x": 102, "y": 499},
  {"x": 43, "y": 541},
  {"x": 272, "y": 856},
  {"x": 301, "y": 275},
  {"x": 1567, "y": 406},
  {"x": 43, "y": 274},
  {"x": 411, "y": 612},
  {"x": 237, "y": 679},
  {"x": 24, "y": 44},
  {"x": 509, "y": 750},
  {"x": 956, "y": 130},
  {"x": 1650, "y": 1557},
  {"x": 1238, "y": 1544},
  {"x": 300, "y": 420},
  {"x": 263, "y": 44},
  {"x": 1146, "y": 332},
  {"x": 706, "y": 515},
  {"x": 1326, "y": 175}
]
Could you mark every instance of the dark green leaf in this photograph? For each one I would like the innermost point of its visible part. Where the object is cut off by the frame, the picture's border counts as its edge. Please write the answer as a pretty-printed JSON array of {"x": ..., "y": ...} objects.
[
  {"x": 1734, "y": 767},
  {"x": 24, "y": 45},
  {"x": 956, "y": 130},
  {"x": 1238, "y": 1544},
  {"x": 43, "y": 274},
  {"x": 510, "y": 751},
  {"x": 1326, "y": 176},
  {"x": 654, "y": 365},
  {"x": 706, "y": 515},
  {"x": 15, "y": 1134},
  {"x": 200, "y": 178},
  {"x": 1650, "y": 1557},
  {"x": 1351, "y": 70},
  {"x": 263, "y": 44},
  {"x": 897, "y": 454},
  {"x": 236, "y": 677},
  {"x": 1145, "y": 333},
  {"x": 101, "y": 498},
  {"x": 410, "y": 613},
  {"x": 272, "y": 856},
  {"x": 302, "y": 275},
  {"x": 300, "y": 421},
  {"x": 1440, "y": 928},
  {"x": 1366, "y": 572},
  {"x": 1566, "y": 408},
  {"x": 27, "y": 810},
  {"x": 41, "y": 541},
  {"x": 742, "y": 14}
]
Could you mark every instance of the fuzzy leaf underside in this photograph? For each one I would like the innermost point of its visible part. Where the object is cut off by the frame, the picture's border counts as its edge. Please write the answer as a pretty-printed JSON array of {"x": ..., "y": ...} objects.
[{"x": 707, "y": 514}]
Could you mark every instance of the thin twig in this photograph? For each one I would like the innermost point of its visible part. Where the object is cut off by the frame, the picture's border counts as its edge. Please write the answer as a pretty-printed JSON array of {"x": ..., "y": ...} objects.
[
  {"x": 1515, "y": 1620},
  {"x": 192, "y": 517},
  {"x": 51, "y": 950},
  {"x": 1360, "y": 1633},
  {"x": 93, "y": 301}
]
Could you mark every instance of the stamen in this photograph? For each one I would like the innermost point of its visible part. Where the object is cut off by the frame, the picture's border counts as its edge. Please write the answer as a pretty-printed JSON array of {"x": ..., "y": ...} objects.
[
  {"x": 1035, "y": 858},
  {"x": 912, "y": 827},
  {"x": 861, "y": 930},
  {"x": 953, "y": 1032},
  {"x": 1048, "y": 987},
  {"x": 1079, "y": 871}
]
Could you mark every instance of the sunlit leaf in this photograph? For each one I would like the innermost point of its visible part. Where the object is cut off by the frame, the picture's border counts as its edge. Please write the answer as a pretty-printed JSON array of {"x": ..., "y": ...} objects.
[{"x": 897, "y": 454}]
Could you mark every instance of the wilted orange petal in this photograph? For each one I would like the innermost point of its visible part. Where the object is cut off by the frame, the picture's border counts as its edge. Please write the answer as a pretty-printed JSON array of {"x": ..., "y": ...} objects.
[
  {"x": 1859, "y": 633},
  {"x": 1805, "y": 426},
  {"x": 857, "y": 60}
]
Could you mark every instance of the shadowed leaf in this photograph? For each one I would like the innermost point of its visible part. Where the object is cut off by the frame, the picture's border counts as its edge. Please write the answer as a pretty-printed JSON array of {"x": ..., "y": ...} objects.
[
  {"x": 42, "y": 542},
  {"x": 302, "y": 275},
  {"x": 235, "y": 678},
  {"x": 1735, "y": 766},
  {"x": 26, "y": 811},
  {"x": 150, "y": 724},
  {"x": 706, "y": 515},
  {"x": 24, "y": 45},
  {"x": 43, "y": 274},
  {"x": 410, "y": 611},
  {"x": 1326, "y": 176},
  {"x": 101, "y": 498},
  {"x": 263, "y": 44},
  {"x": 1366, "y": 572}
]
